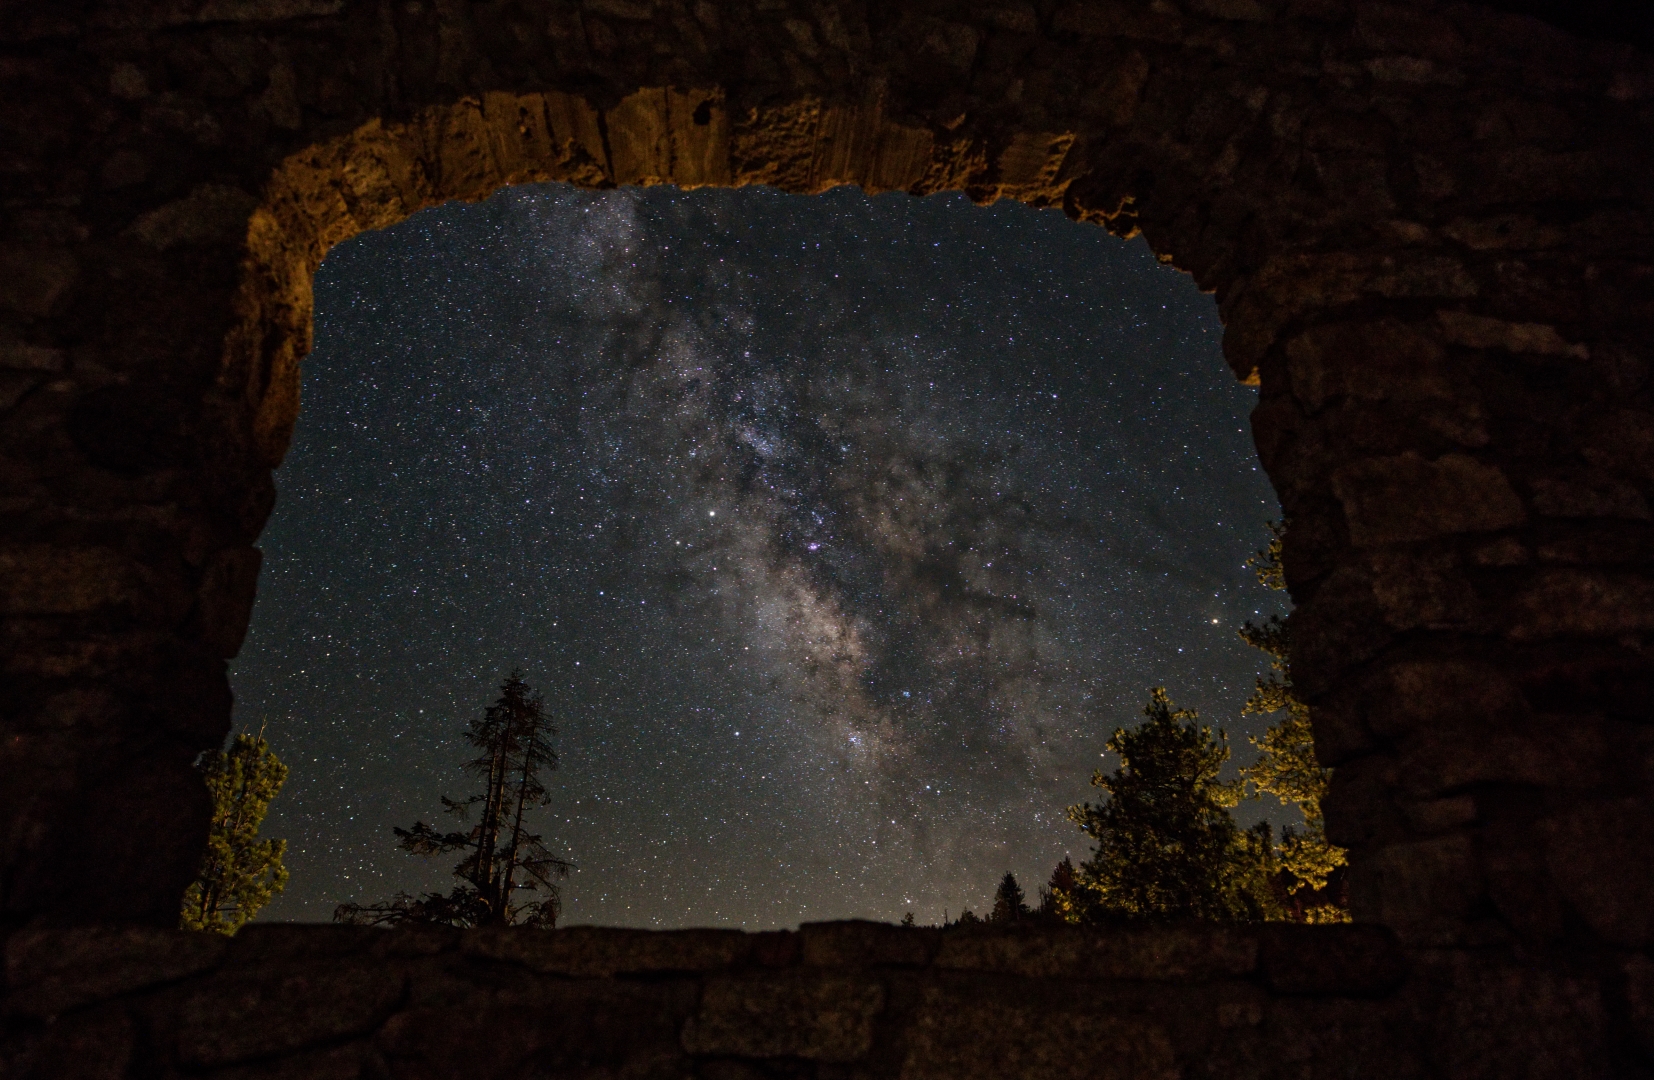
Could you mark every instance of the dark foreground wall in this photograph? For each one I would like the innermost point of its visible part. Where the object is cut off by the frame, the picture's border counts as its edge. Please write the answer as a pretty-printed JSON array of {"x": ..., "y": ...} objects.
[
  {"x": 1428, "y": 227},
  {"x": 1430, "y": 231},
  {"x": 831, "y": 1000}
]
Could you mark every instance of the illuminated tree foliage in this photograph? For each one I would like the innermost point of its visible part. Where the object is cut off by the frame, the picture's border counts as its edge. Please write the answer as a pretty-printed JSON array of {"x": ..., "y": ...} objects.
[
  {"x": 1062, "y": 899},
  {"x": 1167, "y": 844},
  {"x": 502, "y": 857},
  {"x": 239, "y": 872},
  {"x": 1288, "y": 769}
]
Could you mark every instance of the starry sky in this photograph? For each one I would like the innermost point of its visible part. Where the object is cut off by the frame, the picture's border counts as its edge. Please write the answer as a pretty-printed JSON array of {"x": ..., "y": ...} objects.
[{"x": 839, "y": 533}]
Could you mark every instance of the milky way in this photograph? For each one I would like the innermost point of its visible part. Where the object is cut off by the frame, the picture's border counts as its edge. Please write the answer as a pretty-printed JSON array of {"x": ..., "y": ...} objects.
[{"x": 839, "y": 532}]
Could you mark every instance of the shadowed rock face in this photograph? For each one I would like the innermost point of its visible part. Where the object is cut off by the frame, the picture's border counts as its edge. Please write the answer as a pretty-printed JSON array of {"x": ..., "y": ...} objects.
[
  {"x": 1428, "y": 232},
  {"x": 884, "y": 1001}
]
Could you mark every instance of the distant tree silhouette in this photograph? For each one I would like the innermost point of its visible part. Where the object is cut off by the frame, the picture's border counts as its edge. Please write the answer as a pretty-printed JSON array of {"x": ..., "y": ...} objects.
[
  {"x": 1167, "y": 844},
  {"x": 1009, "y": 906},
  {"x": 1310, "y": 879},
  {"x": 502, "y": 857},
  {"x": 239, "y": 872}
]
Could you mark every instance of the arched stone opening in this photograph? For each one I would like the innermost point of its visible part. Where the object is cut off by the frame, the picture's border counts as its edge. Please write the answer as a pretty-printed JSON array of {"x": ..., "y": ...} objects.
[{"x": 1427, "y": 232}]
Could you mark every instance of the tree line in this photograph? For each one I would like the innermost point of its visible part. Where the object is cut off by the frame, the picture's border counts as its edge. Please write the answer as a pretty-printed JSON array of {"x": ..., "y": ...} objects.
[{"x": 1167, "y": 842}]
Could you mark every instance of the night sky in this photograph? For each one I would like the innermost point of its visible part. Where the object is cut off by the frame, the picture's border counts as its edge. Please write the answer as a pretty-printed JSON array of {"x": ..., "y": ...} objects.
[{"x": 838, "y": 532}]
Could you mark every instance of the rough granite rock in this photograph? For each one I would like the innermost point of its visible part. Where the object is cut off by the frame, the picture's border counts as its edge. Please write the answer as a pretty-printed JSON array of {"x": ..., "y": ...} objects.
[{"x": 1427, "y": 230}]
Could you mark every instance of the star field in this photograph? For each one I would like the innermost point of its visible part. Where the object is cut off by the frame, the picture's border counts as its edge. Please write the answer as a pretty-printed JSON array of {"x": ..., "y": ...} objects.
[{"x": 838, "y": 532}]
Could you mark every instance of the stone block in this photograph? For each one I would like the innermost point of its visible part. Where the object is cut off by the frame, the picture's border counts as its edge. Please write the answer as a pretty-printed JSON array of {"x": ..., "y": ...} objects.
[
  {"x": 98, "y": 1044},
  {"x": 1288, "y": 446},
  {"x": 14, "y": 387},
  {"x": 1289, "y": 285},
  {"x": 53, "y": 971},
  {"x": 1599, "y": 858},
  {"x": 966, "y": 1032},
  {"x": 353, "y": 1061},
  {"x": 1559, "y": 602},
  {"x": 1164, "y": 952},
  {"x": 551, "y": 1027},
  {"x": 1530, "y": 174},
  {"x": 1424, "y": 692},
  {"x": 1360, "y": 805},
  {"x": 225, "y": 599},
  {"x": 1303, "y": 1036},
  {"x": 1588, "y": 495},
  {"x": 1503, "y": 551},
  {"x": 594, "y": 951},
  {"x": 1014, "y": 18},
  {"x": 1114, "y": 19},
  {"x": 1521, "y": 119},
  {"x": 1499, "y": 1020},
  {"x": 858, "y": 943},
  {"x": 1233, "y": 10},
  {"x": 1518, "y": 881},
  {"x": 210, "y": 214},
  {"x": 1622, "y": 440},
  {"x": 263, "y": 1011},
  {"x": 1538, "y": 753},
  {"x": 954, "y": 44},
  {"x": 1639, "y": 999},
  {"x": 799, "y": 1013},
  {"x": 1340, "y": 730},
  {"x": 413, "y": 941},
  {"x": 1394, "y": 28},
  {"x": 1339, "y": 627},
  {"x": 1407, "y": 497},
  {"x": 232, "y": 11},
  {"x": 1432, "y": 817},
  {"x": 132, "y": 430},
  {"x": 1504, "y": 232},
  {"x": 1349, "y": 960},
  {"x": 640, "y": 138},
  {"x": 34, "y": 279},
  {"x": 262, "y": 944},
  {"x": 1417, "y": 589},
  {"x": 1412, "y": 69},
  {"x": 1114, "y": 99},
  {"x": 1422, "y": 890},
  {"x": 1481, "y": 332},
  {"x": 1382, "y": 360},
  {"x": 19, "y": 356}
]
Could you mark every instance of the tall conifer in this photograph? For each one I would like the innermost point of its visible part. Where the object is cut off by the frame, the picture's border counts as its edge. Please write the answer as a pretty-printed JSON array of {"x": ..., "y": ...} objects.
[
  {"x": 1010, "y": 905},
  {"x": 502, "y": 856}
]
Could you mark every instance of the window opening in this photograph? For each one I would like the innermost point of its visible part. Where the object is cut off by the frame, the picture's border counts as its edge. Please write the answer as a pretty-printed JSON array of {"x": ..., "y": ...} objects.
[{"x": 839, "y": 532}]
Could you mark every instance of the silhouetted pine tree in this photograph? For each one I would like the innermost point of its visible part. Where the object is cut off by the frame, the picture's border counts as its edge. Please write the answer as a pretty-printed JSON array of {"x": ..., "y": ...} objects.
[
  {"x": 239, "y": 872},
  {"x": 502, "y": 857},
  {"x": 1009, "y": 905}
]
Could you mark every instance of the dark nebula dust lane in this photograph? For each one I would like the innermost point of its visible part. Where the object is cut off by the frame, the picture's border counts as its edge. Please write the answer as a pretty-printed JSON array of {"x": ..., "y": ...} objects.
[{"x": 839, "y": 532}]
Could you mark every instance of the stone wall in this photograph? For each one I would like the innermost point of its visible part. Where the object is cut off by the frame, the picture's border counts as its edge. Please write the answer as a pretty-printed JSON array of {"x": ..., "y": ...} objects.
[
  {"x": 1428, "y": 229},
  {"x": 830, "y": 1000}
]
